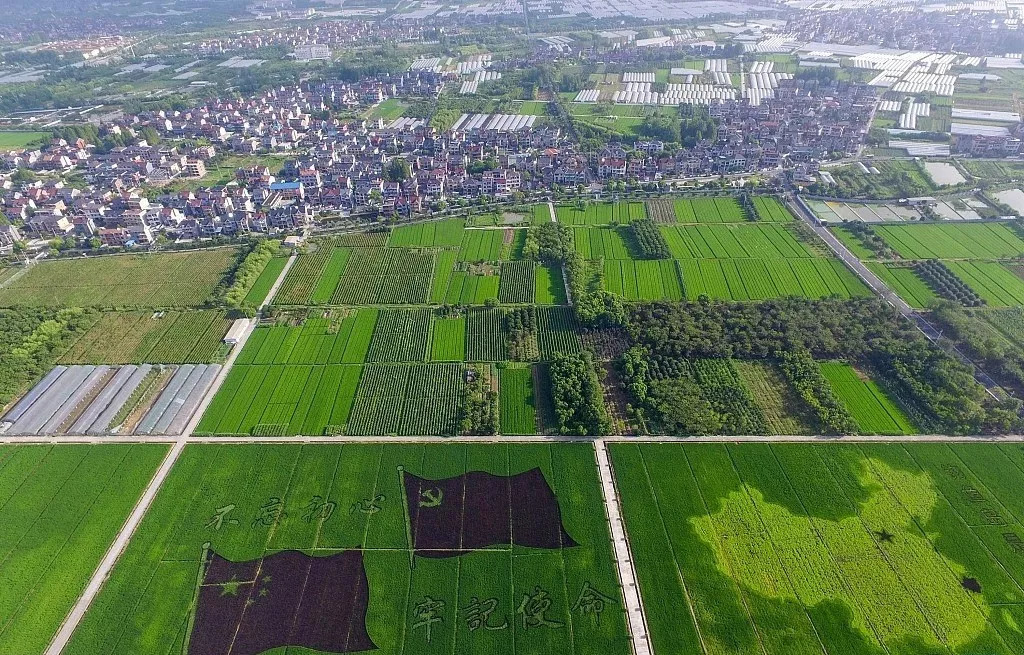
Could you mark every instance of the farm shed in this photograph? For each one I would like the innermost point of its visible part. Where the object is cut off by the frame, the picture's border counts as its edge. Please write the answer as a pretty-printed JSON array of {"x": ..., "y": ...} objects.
[{"x": 238, "y": 328}]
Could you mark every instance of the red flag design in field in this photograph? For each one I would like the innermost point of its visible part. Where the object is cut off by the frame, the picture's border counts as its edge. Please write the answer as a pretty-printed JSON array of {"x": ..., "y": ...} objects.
[
  {"x": 285, "y": 599},
  {"x": 474, "y": 510}
]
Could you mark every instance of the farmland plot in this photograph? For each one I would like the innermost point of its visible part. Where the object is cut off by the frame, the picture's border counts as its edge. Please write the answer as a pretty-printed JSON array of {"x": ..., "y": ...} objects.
[
  {"x": 952, "y": 241},
  {"x": 905, "y": 281},
  {"x": 449, "y": 339},
  {"x": 709, "y": 210},
  {"x": 516, "y": 401},
  {"x": 175, "y": 279},
  {"x": 601, "y": 213},
  {"x": 992, "y": 281},
  {"x": 61, "y": 508},
  {"x": 192, "y": 337},
  {"x": 282, "y": 399},
  {"x": 643, "y": 280},
  {"x": 662, "y": 211},
  {"x": 558, "y": 332},
  {"x": 481, "y": 245},
  {"x": 401, "y": 335},
  {"x": 342, "y": 339},
  {"x": 770, "y": 210},
  {"x": 443, "y": 271},
  {"x": 734, "y": 241},
  {"x": 824, "y": 548},
  {"x": 433, "y": 234},
  {"x": 751, "y": 279},
  {"x": 388, "y": 276},
  {"x": 604, "y": 242},
  {"x": 347, "y": 508},
  {"x": 261, "y": 287},
  {"x": 782, "y": 409},
  {"x": 871, "y": 408},
  {"x": 471, "y": 288},
  {"x": 550, "y": 285},
  {"x": 485, "y": 335},
  {"x": 304, "y": 277},
  {"x": 518, "y": 282}
]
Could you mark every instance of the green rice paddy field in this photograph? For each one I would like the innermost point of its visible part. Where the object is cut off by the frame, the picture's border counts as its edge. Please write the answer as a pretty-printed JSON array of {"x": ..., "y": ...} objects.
[
  {"x": 952, "y": 241},
  {"x": 798, "y": 548},
  {"x": 872, "y": 410},
  {"x": 244, "y": 502},
  {"x": 60, "y": 507}
]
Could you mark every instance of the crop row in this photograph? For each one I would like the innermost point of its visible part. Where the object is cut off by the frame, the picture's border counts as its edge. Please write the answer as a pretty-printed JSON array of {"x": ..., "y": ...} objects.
[
  {"x": 422, "y": 399},
  {"x": 709, "y": 210},
  {"x": 952, "y": 241},
  {"x": 770, "y": 210},
  {"x": 434, "y": 234},
  {"x": 385, "y": 276},
  {"x": 304, "y": 276},
  {"x": 643, "y": 280},
  {"x": 518, "y": 282},
  {"x": 282, "y": 399},
  {"x": 481, "y": 245},
  {"x": 601, "y": 213},
  {"x": 344, "y": 339},
  {"x": 872, "y": 410}
]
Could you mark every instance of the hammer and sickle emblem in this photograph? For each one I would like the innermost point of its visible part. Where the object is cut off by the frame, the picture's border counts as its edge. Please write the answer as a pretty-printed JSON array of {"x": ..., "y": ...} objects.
[{"x": 431, "y": 497}]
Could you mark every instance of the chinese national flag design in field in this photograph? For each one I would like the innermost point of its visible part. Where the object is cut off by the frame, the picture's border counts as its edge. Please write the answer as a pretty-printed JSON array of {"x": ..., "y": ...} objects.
[
  {"x": 285, "y": 599},
  {"x": 474, "y": 510}
]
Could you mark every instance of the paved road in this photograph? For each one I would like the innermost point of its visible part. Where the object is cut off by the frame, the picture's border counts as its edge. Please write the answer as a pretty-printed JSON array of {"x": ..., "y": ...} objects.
[
  {"x": 507, "y": 439},
  {"x": 635, "y": 614}
]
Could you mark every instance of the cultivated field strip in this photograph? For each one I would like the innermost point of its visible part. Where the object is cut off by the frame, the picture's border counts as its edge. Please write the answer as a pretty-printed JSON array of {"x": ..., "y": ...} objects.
[
  {"x": 358, "y": 503},
  {"x": 601, "y": 213},
  {"x": 741, "y": 547},
  {"x": 87, "y": 400},
  {"x": 873, "y": 411}
]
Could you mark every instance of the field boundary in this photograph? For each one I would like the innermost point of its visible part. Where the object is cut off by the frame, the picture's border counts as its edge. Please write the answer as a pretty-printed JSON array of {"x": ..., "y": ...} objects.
[
  {"x": 636, "y": 618},
  {"x": 541, "y": 438}
]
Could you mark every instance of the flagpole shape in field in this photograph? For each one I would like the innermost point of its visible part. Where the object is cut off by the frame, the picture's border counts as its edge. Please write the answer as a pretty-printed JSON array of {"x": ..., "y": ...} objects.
[
  {"x": 408, "y": 522},
  {"x": 200, "y": 575}
]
